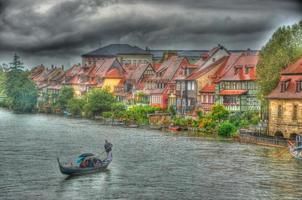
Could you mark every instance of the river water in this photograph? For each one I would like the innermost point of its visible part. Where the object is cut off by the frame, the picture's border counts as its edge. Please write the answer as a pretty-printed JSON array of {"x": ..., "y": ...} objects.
[{"x": 146, "y": 164}]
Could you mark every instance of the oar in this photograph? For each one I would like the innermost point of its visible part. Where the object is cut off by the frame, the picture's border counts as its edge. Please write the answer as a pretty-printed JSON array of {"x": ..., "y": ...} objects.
[{"x": 281, "y": 152}]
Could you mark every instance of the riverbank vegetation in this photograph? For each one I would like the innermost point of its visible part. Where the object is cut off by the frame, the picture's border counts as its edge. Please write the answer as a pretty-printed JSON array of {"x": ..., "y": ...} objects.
[{"x": 19, "y": 91}]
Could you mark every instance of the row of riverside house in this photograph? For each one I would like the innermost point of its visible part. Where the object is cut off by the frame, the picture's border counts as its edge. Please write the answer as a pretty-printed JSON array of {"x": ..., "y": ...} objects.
[{"x": 218, "y": 76}]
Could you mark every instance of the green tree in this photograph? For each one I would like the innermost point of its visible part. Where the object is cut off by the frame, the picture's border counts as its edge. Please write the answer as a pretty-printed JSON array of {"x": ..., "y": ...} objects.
[
  {"x": 75, "y": 106},
  {"x": 2, "y": 84},
  {"x": 284, "y": 47},
  {"x": 226, "y": 129},
  {"x": 98, "y": 101},
  {"x": 118, "y": 110},
  {"x": 219, "y": 112},
  {"x": 20, "y": 90},
  {"x": 66, "y": 94}
]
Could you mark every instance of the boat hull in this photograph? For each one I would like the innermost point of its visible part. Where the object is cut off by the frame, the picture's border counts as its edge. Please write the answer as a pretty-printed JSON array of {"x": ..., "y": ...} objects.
[
  {"x": 296, "y": 152},
  {"x": 69, "y": 170}
]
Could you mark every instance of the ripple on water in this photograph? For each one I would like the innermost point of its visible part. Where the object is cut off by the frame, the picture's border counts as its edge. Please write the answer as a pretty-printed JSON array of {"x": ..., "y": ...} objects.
[{"x": 147, "y": 164}]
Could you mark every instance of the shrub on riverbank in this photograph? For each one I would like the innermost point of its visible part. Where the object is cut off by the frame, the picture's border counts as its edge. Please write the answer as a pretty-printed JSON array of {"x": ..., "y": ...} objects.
[
  {"x": 75, "y": 106},
  {"x": 65, "y": 95},
  {"x": 139, "y": 114},
  {"x": 226, "y": 129},
  {"x": 98, "y": 101}
]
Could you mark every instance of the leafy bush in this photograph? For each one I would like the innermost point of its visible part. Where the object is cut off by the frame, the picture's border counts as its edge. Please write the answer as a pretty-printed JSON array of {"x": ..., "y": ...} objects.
[
  {"x": 226, "y": 129},
  {"x": 66, "y": 94},
  {"x": 118, "y": 110},
  {"x": 139, "y": 114},
  {"x": 180, "y": 121},
  {"x": 75, "y": 106},
  {"x": 98, "y": 101},
  {"x": 107, "y": 115},
  {"x": 219, "y": 112}
]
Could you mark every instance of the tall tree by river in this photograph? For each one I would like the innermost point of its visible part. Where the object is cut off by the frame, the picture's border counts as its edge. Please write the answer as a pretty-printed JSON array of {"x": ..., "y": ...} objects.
[
  {"x": 284, "y": 47},
  {"x": 20, "y": 90}
]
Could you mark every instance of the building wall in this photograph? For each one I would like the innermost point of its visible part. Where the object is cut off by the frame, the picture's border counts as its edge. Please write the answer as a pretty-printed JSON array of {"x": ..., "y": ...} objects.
[
  {"x": 134, "y": 59},
  {"x": 284, "y": 122},
  {"x": 203, "y": 81},
  {"x": 131, "y": 59},
  {"x": 248, "y": 101},
  {"x": 111, "y": 83}
]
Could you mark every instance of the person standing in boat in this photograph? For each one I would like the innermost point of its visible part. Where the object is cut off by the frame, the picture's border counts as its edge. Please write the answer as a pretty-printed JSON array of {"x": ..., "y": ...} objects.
[{"x": 108, "y": 148}]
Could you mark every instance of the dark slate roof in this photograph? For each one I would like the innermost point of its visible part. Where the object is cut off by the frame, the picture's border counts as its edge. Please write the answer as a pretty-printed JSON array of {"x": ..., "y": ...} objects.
[
  {"x": 116, "y": 49},
  {"x": 190, "y": 53}
]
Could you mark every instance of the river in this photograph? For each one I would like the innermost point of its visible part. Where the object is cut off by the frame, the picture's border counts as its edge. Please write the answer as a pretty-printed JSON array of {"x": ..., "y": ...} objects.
[{"x": 146, "y": 164}]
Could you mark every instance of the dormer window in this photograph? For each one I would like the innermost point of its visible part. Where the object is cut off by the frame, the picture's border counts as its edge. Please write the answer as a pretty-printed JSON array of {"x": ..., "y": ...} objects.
[
  {"x": 237, "y": 69},
  {"x": 299, "y": 86},
  {"x": 284, "y": 85},
  {"x": 247, "y": 69}
]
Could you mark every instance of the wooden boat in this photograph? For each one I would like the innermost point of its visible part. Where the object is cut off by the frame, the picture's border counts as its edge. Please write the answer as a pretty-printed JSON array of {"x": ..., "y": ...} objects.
[
  {"x": 295, "y": 151},
  {"x": 174, "y": 128},
  {"x": 77, "y": 170},
  {"x": 132, "y": 126}
]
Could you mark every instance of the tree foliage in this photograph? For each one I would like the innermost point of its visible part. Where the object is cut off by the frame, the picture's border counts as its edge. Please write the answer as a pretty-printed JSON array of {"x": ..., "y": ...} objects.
[
  {"x": 75, "y": 106},
  {"x": 219, "y": 112},
  {"x": 20, "y": 90},
  {"x": 284, "y": 47},
  {"x": 2, "y": 84},
  {"x": 226, "y": 129},
  {"x": 98, "y": 101},
  {"x": 66, "y": 94}
]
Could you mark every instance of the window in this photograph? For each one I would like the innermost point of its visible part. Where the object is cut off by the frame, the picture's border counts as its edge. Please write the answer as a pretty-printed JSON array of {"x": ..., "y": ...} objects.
[
  {"x": 295, "y": 112},
  {"x": 298, "y": 86},
  {"x": 230, "y": 100},
  {"x": 247, "y": 70},
  {"x": 189, "y": 85},
  {"x": 279, "y": 111},
  {"x": 178, "y": 86},
  {"x": 284, "y": 85}
]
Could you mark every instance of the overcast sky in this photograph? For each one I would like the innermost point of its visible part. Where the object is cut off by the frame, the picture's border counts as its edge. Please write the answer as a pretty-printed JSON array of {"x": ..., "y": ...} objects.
[{"x": 59, "y": 31}]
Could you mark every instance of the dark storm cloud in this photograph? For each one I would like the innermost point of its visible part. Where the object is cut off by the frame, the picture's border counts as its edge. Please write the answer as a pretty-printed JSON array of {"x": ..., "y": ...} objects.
[{"x": 58, "y": 29}]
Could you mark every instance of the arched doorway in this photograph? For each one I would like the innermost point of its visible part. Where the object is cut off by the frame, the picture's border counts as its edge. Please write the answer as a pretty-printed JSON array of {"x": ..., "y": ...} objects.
[{"x": 279, "y": 134}]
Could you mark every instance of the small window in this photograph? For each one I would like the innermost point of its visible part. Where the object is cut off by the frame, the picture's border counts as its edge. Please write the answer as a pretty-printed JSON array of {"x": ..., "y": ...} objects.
[
  {"x": 247, "y": 70},
  {"x": 298, "y": 86},
  {"x": 295, "y": 112},
  {"x": 279, "y": 111},
  {"x": 284, "y": 85}
]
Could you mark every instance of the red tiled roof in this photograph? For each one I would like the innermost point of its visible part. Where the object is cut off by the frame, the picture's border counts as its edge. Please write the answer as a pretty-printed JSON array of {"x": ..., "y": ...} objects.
[
  {"x": 246, "y": 61},
  {"x": 75, "y": 69},
  {"x": 294, "y": 68},
  {"x": 199, "y": 73},
  {"x": 208, "y": 88},
  {"x": 292, "y": 73},
  {"x": 113, "y": 73},
  {"x": 138, "y": 73},
  {"x": 232, "y": 92}
]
